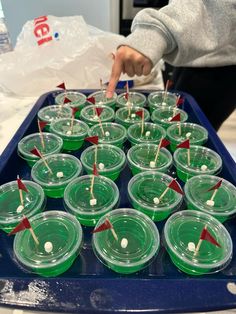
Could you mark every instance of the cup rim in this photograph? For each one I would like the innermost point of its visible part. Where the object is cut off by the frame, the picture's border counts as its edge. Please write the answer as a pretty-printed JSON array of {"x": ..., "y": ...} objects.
[
  {"x": 72, "y": 136},
  {"x": 108, "y": 100},
  {"x": 131, "y": 93},
  {"x": 173, "y": 126},
  {"x": 109, "y": 110},
  {"x": 66, "y": 108},
  {"x": 121, "y": 139},
  {"x": 67, "y": 93},
  {"x": 149, "y": 124},
  {"x": 163, "y": 109}
]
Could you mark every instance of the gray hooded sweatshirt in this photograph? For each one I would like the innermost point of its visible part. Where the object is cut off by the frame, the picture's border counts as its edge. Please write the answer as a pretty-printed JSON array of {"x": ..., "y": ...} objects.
[{"x": 194, "y": 33}]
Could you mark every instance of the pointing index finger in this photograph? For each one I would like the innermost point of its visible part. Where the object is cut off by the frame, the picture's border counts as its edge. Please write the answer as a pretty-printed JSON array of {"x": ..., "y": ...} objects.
[{"x": 114, "y": 78}]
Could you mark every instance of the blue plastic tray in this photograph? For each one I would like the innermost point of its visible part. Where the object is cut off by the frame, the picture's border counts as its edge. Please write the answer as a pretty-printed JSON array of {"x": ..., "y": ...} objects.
[{"x": 90, "y": 287}]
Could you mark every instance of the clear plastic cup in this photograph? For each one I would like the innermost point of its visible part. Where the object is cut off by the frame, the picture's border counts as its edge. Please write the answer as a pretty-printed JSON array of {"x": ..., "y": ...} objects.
[
  {"x": 88, "y": 208},
  {"x": 181, "y": 235},
  {"x": 72, "y": 139},
  {"x": 136, "y": 99},
  {"x": 111, "y": 160},
  {"x": 141, "y": 157},
  {"x": 60, "y": 229},
  {"x": 78, "y": 100},
  {"x": 101, "y": 99},
  {"x": 134, "y": 229},
  {"x": 163, "y": 116},
  {"x": 109, "y": 133},
  {"x": 11, "y": 209},
  {"x": 202, "y": 161},
  {"x": 127, "y": 117},
  {"x": 88, "y": 114},
  {"x": 53, "y": 112},
  {"x": 196, "y": 134},
  {"x": 152, "y": 133},
  {"x": 64, "y": 169},
  {"x": 198, "y": 197},
  {"x": 157, "y": 99},
  {"x": 145, "y": 190},
  {"x": 53, "y": 145}
]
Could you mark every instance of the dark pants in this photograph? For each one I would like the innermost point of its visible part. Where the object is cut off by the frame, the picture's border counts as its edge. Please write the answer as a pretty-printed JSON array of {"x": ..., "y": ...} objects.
[{"x": 214, "y": 89}]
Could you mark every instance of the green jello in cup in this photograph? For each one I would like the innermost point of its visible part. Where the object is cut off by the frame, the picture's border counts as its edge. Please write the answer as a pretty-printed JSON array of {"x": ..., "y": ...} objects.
[
  {"x": 60, "y": 239},
  {"x": 196, "y": 134},
  {"x": 73, "y": 138},
  {"x": 141, "y": 157},
  {"x": 78, "y": 100},
  {"x": 11, "y": 209},
  {"x": 89, "y": 116},
  {"x": 145, "y": 192},
  {"x": 64, "y": 168},
  {"x": 202, "y": 161},
  {"x": 127, "y": 117},
  {"x": 52, "y": 145},
  {"x": 152, "y": 133},
  {"x": 220, "y": 203},
  {"x": 182, "y": 233},
  {"x": 89, "y": 207},
  {"x": 109, "y": 133},
  {"x": 135, "y": 99},
  {"x": 137, "y": 245},
  {"x": 164, "y": 115},
  {"x": 53, "y": 112},
  {"x": 110, "y": 160},
  {"x": 101, "y": 99},
  {"x": 161, "y": 99}
]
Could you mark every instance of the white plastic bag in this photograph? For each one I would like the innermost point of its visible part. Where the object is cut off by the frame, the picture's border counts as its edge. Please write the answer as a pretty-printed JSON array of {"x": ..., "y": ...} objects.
[{"x": 53, "y": 49}]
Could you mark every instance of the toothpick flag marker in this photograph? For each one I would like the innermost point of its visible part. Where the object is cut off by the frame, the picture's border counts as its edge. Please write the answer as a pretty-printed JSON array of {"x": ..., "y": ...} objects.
[
  {"x": 95, "y": 174},
  {"x": 215, "y": 189},
  {"x": 62, "y": 86},
  {"x": 41, "y": 125},
  {"x": 21, "y": 187},
  {"x": 93, "y": 140},
  {"x": 205, "y": 235},
  {"x": 177, "y": 117},
  {"x": 174, "y": 186},
  {"x": 24, "y": 224},
  {"x": 37, "y": 153},
  {"x": 140, "y": 113},
  {"x": 163, "y": 143},
  {"x": 98, "y": 112},
  {"x": 74, "y": 110},
  {"x": 66, "y": 100},
  {"x": 92, "y": 100},
  {"x": 186, "y": 144},
  {"x": 169, "y": 83},
  {"x": 106, "y": 226}
]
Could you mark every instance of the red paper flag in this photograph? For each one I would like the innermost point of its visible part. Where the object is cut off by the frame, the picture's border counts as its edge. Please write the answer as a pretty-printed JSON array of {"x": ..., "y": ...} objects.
[
  {"x": 99, "y": 111},
  {"x": 140, "y": 113},
  {"x": 184, "y": 144},
  {"x": 127, "y": 96},
  {"x": 215, "y": 187},
  {"x": 205, "y": 235},
  {"x": 62, "y": 86},
  {"x": 176, "y": 117},
  {"x": 21, "y": 185},
  {"x": 36, "y": 152},
  {"x": 92, "y": 100},
  {"x": 74, "y": 110},
  {"x": 175, "y": 186},
  {"x": 95, "y": 171},
  {"x": 105, "y": 226},
  {"x": 92, "y": 139},
  {"x": 180, "y": 101},
  {"x": 42, "y": 124},
  {"x": 24, "y": 224},
  {"x": 66, "y": 100},
  {"x": 164, "y": 143}
]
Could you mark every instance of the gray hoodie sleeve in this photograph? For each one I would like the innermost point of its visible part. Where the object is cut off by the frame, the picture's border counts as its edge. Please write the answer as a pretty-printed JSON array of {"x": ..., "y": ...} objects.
[{"x": 187, "y": 33}]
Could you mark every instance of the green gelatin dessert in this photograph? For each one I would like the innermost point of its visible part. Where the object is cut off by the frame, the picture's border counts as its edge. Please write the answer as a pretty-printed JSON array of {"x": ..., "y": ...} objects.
[
  {"x": 220, "y": 203},
  {"x": 182, "y": 233},
  {"x": 152, "y": 133},
  {"x": 109, "y": 133},
  {"x": 60, "y": 238},
  {"x": 89, "y": 116},
  {"x": 179, "y": 132},
  {"x": 11, "y": 208},
  {"x": 73, "y": 137},
  {"x": 160, "y": 99},
  {"x": 78, "y": 100},
  {"x": 101, "y": 99},
  {"x": 111, "y": 160},
  {"x": 136, "y": 245},
  {"x": 135, "y": 99},
  {"x": 141, "y": 157},
  {"x": 89, "y": 206},
  {"x": 163, "y": 116},
  {"x": 127, "y": 117},
  {"x": 52, "y": 145},
  {"x": 64, "y": 168},
  {"x": 202, "y": 161}
]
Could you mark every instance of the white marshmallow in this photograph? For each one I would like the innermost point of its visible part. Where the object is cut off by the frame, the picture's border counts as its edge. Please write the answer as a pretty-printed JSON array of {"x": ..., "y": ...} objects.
[
  {"x": 19, "y": 209},
  {"x": 107, "y": 133},
  {"x": 152, "y": 164},
  {"x": 60, "y": 174},
  {"x": 124, "y": 243},
  {"x": 204, "y": 167},
  {"x": 156, "y": 200},
  {"x": 48, "y": 247},
  {"x": 164, "y": 104},
  {"x": 47, "y": 117},
  {"x": 169, "y": 118},
  {"x": 147, "y": 133},
  {"x": 133, "y": 115},
  {"x": 210, "y": 203},
  {"x": 188, "y": 134},
  {"x": 68, "y": 132},
  {"x": 101, "y": 166},
  {"x": 68, "y": 123},
  {"x": 95, "y": 117},
  {"x": 93, "y": 202},
  {"x": 191, "y": 246}
]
